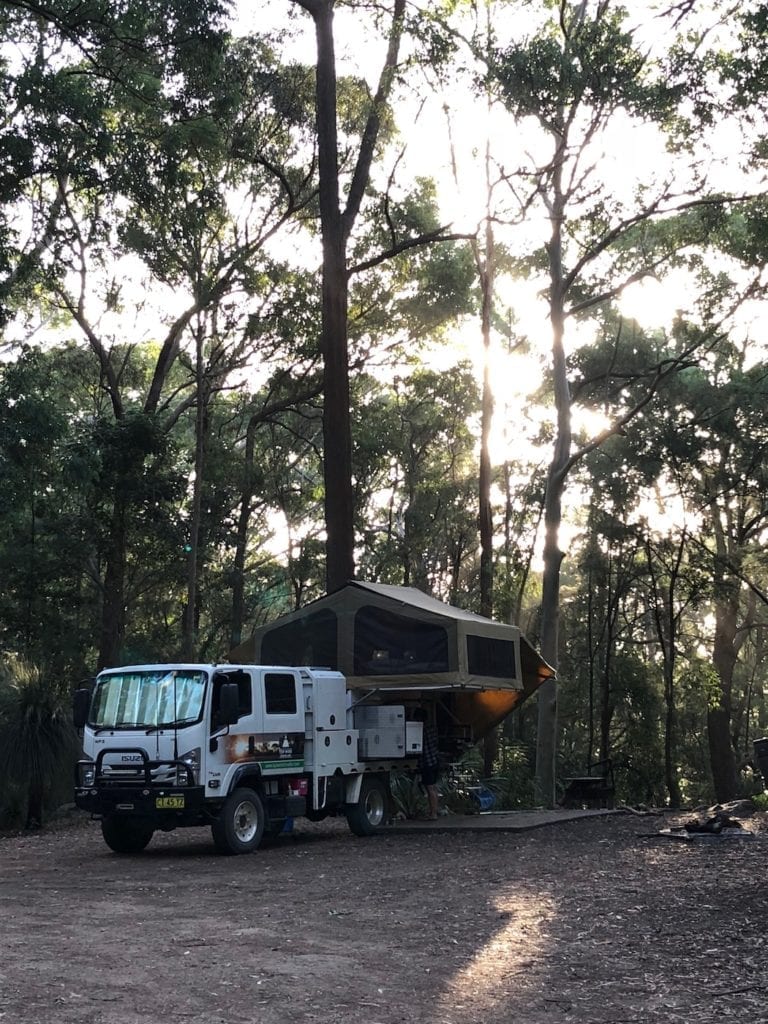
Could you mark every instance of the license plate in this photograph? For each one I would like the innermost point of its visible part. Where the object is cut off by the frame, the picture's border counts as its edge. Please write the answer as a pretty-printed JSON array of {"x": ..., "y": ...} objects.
[{"x": 169, "y": 803}]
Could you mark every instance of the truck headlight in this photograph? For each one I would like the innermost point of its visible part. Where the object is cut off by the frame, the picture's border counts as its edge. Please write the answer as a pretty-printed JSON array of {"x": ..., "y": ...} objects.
[
  {"x": 88, "y": 775},
  {"x": 192, "y": 760}
]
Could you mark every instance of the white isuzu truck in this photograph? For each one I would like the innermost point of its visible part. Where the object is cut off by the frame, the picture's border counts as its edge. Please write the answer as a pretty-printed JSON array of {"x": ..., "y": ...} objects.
[{"x": 240, "y": 748}]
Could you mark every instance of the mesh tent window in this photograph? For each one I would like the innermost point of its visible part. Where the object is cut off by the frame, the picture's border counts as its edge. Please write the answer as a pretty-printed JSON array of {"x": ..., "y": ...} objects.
[
  {"x": 390, "y": 644},
  {"x": 311, "y": 640},
  {"x": 490, "y": 656}
]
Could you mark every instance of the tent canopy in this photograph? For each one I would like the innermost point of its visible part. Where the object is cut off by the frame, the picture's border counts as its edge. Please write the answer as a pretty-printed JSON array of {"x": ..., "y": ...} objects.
[{"x": 401, "y": 643}]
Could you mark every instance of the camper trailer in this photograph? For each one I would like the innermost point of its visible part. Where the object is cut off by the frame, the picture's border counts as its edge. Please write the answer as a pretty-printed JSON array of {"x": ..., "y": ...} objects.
[{"x": 245, "y": 746}]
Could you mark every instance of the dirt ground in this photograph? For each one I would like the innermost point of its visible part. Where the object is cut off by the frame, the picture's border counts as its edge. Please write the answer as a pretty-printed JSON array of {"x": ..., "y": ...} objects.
[{"x": 597, "y": 920}]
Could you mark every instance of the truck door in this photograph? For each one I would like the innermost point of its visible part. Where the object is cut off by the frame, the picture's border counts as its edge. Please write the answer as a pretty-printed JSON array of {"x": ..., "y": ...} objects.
[
  {"x": 283, "y": 720},
  {"x": 233, "y": 744}
]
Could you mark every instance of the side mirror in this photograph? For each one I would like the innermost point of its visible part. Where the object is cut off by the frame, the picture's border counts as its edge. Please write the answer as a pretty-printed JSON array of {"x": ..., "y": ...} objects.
[
  {"x": 229, "y": 704},
  {"x": 81, "y": 701}
]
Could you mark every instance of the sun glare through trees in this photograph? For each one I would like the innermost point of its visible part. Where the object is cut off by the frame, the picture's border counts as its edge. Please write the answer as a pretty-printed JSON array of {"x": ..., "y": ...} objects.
[{"x": 468, "y": 298}]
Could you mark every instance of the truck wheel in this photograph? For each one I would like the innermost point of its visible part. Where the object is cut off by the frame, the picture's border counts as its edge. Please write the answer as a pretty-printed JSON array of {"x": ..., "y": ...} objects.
[
  {"x": 240, "y": 824},
  {"x": 370, "y": 812},
  {"x": 124, "y": 835}
]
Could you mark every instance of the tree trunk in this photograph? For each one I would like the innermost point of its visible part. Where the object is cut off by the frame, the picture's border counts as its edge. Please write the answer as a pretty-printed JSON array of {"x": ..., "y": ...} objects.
[
  {"x": 606, "y": 700},
  {"x": 721, "y": 753},
  {"x": 724, "y": 651},
  {"x": 664, "y": 577},
  {"x": 591, "y": 667},
  {"x": 490, "y": 752},
  {"x": 613, "y": 600},
  {"x": 670, "y": 744},
  {"x": 189, "y": 631},
  {"x": 113, "y": 603},
  {"x": 32, "y": 589},
  {"x": 241, "y": 542},
  {"x": 337, "y": 434},
  {"x": 336, "y": 228},
  {"x": 485, "y": 267},
  {"x": 486, "y": 271},
  {"x": 670, "y": 706},
  {"x": 546, "y": 740}
]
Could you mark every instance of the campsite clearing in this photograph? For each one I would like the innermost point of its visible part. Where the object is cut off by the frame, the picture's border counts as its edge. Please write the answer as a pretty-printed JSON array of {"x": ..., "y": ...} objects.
[{"x": 594, "y": 920}]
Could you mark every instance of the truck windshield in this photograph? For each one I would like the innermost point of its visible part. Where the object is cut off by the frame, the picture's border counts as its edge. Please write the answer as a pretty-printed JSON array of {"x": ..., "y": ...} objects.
[{"x": 147, "y": 699}]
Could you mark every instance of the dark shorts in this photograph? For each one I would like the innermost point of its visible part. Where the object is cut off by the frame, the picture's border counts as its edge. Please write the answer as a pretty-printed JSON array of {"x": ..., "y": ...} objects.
[{"x": 430, "y": 774}]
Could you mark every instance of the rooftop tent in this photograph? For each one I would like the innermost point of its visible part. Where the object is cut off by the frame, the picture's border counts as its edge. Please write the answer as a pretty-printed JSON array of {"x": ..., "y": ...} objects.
[{"x": 398, "y": 640}]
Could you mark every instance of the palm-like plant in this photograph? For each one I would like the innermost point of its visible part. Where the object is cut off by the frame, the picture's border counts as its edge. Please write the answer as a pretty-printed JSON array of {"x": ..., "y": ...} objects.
[{"x": 37, "y": 739}]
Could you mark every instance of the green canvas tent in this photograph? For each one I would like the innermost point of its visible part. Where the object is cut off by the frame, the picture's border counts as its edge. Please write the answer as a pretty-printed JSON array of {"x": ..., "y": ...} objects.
[{"x": 408, "y": 647}]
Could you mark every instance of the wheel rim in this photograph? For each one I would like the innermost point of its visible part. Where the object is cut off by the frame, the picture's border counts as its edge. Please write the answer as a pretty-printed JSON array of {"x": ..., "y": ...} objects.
[
  {"x": 374, "y": 807},
  {"x": 246, "y": 821}
]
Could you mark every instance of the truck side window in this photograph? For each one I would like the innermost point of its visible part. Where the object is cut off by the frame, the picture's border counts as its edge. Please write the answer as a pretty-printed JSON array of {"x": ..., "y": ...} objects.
[
  {"x": 244, "y": 694},
  {"x": 279, "y": 694}
]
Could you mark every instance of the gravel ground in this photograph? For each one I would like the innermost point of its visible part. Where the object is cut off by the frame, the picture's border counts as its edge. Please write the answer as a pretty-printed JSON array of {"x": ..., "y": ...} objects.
[{"x": 599, "y": 920}]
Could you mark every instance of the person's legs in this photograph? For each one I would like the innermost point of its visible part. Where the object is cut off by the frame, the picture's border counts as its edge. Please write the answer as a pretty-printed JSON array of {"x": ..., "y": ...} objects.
[{"x": 432, "y": 800}]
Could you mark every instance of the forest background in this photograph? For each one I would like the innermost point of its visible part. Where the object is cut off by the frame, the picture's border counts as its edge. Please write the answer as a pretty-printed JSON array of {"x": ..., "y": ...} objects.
[{"x": 462, "y": 296}]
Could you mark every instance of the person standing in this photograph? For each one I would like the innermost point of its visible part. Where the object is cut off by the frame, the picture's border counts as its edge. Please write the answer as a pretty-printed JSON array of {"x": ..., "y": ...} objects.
[{"x": 429, "y": 763}]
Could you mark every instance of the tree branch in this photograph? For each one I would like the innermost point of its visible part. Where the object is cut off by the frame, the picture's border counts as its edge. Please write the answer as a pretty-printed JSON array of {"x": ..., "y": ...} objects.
[
  {"x": 408, "y": 243},
  {"x": 28, "y": 259},
  {"x": 373, "y": 124},
  {"x": 663, "y": 370}
]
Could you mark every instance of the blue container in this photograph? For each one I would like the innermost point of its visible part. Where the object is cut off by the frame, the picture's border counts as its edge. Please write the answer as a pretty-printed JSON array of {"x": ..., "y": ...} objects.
[{"x": 483, "y": 797}]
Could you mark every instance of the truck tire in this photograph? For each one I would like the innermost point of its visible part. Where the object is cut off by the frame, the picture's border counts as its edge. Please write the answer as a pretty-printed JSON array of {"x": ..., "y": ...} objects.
[
  {"x": 366, "y": 817},
  {"x": 123, "y": 835},
  {"x": 240, "y": 824}
]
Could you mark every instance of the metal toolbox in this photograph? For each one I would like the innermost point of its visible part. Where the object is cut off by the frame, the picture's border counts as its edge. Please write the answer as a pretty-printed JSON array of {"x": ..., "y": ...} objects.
[
  {"x": 379, "y": 716},
  {"x": 380, "y": 743}
]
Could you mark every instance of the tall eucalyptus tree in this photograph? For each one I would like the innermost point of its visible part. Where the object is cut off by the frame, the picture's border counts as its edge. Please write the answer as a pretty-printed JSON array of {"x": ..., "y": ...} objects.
[
  {"x": 573, "y": 79},
  {"x": 345, "y": 167}
]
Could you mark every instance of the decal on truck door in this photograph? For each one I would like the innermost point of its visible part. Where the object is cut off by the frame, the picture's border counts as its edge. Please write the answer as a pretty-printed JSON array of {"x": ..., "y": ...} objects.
[{"x": 273, "y": 751}]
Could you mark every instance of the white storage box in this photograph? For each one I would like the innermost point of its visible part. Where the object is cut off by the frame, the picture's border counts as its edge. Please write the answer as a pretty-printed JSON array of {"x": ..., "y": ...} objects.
[
  {"x": 382, "y": 743},
  {"x": 379, "y": 716},
  {"x": 414, "y": 737}
]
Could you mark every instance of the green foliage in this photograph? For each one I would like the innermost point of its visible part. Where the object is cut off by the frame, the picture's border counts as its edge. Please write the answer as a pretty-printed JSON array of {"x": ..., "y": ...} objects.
[
  {"x": 408, "y": 795},
  {"x": 42, "y": 560},
  {"x": 511, "y": 783},
  {"x": 512, "y": 780},
  {"x": 74, "y": 69},
  {"x": 456, "y": 781},
  {"x": 415, "y": 452},
  {"x": 38, "y": 743},
  {"x": 744, "y": 234},
  {"x": 594, "y": 64}
]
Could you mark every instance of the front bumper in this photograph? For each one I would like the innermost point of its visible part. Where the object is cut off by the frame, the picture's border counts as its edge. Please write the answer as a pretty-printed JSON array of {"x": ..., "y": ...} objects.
[
  {"x": 151, "y": 790},
  {"x": 176, "y": 804}
]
